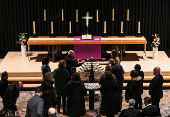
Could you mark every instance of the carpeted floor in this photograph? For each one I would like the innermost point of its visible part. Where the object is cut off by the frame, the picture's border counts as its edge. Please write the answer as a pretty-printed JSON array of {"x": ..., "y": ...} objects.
[{"x": 26, "y": 95}]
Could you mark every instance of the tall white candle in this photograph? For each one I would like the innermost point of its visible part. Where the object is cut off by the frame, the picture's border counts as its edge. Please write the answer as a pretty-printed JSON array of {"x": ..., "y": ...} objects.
[
  {"x": 104, "y": 26},
  {"x": 45, "y": 15},
  {"x": 121, "y": 26},
  {"x": 113, "y": 14},
  {"x": 70, "y": 27},
  {"x": 138, "y": 27},
  {"x": 127, "y": 14},
  {"x": 97, "y": 16},
  {"x": 34, "y": 27},
  {"x": 76, "y": 15},
  {"x": 52, "y": 30},
  {"x": 62, "y": 14}
]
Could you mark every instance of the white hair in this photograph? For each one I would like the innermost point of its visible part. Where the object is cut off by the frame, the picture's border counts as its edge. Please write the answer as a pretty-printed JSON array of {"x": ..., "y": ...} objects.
[
  {"x": 131, "y": 102},
  {"x": 51, "y": 112}
]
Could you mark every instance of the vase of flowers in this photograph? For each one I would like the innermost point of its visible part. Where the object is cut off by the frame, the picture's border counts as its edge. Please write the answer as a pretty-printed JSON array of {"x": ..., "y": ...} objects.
[
  {"x": 23, "y": 42},
  {"x": 155, "y": 44}
]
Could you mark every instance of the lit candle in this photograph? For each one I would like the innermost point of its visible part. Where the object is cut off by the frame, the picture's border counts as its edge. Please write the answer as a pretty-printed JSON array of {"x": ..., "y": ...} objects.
[
  {"x": 104, "y": 26},
  {"x": 127, "y": 14},
  {"x": 113, "y": 17},
  {"x": 121, "y": 26},
  {"x": 34, "y": 27},
  {"x": 138, "y": 27},
  {"x": 97, "y": 16},
  {"x": 70, "y": 27},
  {"x": 76, "y": 15},
  {"x": 44, "y": 14},
  {"x": 62, "y": 15},
  {"x": 52, "y": 31}
]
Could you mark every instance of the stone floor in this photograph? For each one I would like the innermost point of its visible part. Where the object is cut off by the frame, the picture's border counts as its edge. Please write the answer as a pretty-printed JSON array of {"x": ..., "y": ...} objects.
[{"x": 26, "y": 95}]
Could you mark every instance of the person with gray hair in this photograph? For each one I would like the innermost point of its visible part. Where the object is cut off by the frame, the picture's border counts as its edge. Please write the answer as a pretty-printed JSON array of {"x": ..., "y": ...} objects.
[
  {"x": 52, "y": 112},
  {"x": 131, "y": 111}
]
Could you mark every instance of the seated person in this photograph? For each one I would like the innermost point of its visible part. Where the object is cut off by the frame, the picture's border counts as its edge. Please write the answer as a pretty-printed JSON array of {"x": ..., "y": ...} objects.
[
  {"x": 131, "y": 111},
  {"x": 149, "y": 110},
  {"x": 52, "y": 112}
]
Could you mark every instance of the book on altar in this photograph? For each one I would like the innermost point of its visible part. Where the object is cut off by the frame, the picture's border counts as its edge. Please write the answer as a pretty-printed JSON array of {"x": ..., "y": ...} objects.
[{"x": 87, "y": 37}]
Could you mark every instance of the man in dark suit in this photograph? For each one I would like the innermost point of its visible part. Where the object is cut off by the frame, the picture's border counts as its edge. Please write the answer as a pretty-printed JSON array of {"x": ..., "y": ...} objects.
[
  {"x": 149, "y": 110},
  {"x": 131, "y": 111},
  {"x": 155, "y": 87},
  {"x": 70, "y": 62},
  {"x": 35, "y": 104},
  {"x": 3, "y": 84},
  {"x": 10, "y": 97}
]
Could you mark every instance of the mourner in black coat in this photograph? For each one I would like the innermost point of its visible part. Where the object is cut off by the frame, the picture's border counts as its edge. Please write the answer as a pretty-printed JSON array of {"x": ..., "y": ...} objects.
[
  {"x": 70, "y": 62},
  {"x": 131, "y": 111},
  {"x": 75, "y": 96},
  {"x": 10, "y": 97},
  {"x": 150, "y": 110},
  {"x": 109, "y": 90},
  {"x": 3, "y": 84},
  {"x": 155, "y": 87},
  {"x": 133, "y": 89}
]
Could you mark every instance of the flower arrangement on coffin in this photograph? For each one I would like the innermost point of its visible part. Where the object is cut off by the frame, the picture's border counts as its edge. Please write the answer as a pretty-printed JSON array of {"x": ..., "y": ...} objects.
[
  {"x": 22, "y": 39},
  {"x": 156, "y": 41}
]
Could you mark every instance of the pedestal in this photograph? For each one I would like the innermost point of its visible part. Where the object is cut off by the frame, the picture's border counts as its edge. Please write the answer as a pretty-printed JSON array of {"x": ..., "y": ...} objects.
[
  {"x": 104, "y": 35},
  {"x": 121, "y": 35},
  {"x": 34, "y": 35},
  {"x": 155, "y": 53},
  {"x": 52, "y": 35},
  {"x": 139, "y": 35},
  {"x": 24, "y": 51},
  {"x": 70, "y": 35}
]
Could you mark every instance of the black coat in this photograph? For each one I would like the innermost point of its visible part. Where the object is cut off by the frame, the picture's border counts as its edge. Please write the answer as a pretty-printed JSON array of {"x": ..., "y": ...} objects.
[
  {"x": 151, "y": 110},
  {"x": 141, "y": 73},
  {"x": 10, "y": 97},
  {"x": 50, "y": 100},
  {"x": 130, "y": 112},
  {"x": 109, "y": 90},
  {"x": 75, "y": 98},
  {"x": 3, "y": 87},
  {"x": 155, "y": 87},
  {"x": 133, "y": 89},
  {"x": 70, "y": 62}
]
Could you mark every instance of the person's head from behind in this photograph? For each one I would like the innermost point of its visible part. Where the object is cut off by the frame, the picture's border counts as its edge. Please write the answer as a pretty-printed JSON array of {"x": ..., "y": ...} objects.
[
  {"x": 45, "y": 61},
  {"x": 71, "y": 53},
  {"x": 51, "y": 112},
  {"x": 75, "y": 76},
  {"x": 109, "y": 75},
  {"x": 39, "y": 91},
  {"x": 62, "y": 64},
  {"x": 4, "y": 75},
  {"x": 49, "y": 76},
  {"x": 19, "y": 85},
  {"x": 117, "y": 60},
  {"x": 156, "y": 70},
  {"x": 137, "y": 67},
  {"x": 133, "y": 73},
  {"x": 107, "y": 68},
  {"x": 111, "y": 61},
  {"x": 73, "y": 69},
  {"x": 147, "y": 100},
  {"x": 3, "y": 113},
  {"x": 131, "y": 103}
]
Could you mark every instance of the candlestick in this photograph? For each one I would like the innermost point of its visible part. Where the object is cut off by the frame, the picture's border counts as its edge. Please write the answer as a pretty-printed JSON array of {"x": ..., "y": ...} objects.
[
  {"x": 104, "y": 26},
  {"x": 121, "y": 27},
  {"x": 138, "y": 27},
  {"x": 76, "y": 15},
  {"x": 52, "y": 30},
  {"x": 113, "y": 17},
  {"x": 127, "y": 14},
  {"x": 34, "y": 27},
  {"x": 97, "y": 16},
  {"x": 70, "y": 27},
  {"x": 45, "y": 15},
  {"x": 62, "y": 15}
]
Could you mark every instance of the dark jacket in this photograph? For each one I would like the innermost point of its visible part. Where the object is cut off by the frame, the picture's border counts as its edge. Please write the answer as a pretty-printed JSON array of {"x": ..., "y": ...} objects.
[
  {"x": 45, "y": 68},
  {"x": 133, "y": 89},
  {"x": 130, "y": 112},
  {"x": 150, "y": 110},
  {"x": 70, "y": 62},
  {"x": 35, "y": 107},
  {"x": 141, "y": 73},
  {"x": 155, "y": 87},
  {"x": 102, "y": 78},
  {"x": 109, "y": 92},
  {"x": 60, "y": 76},
  {"x": 10, "y": 97},
  {"x": 3, "y": 87},
  {"x": 50, "y": 100},
  {"x": 118, "y": 71},
  {"x": 75, "y": 98}
]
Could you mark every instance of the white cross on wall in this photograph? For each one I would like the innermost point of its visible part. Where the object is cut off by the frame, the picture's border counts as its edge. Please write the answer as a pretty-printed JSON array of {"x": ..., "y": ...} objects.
[{"x": 87, "y": 18}]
